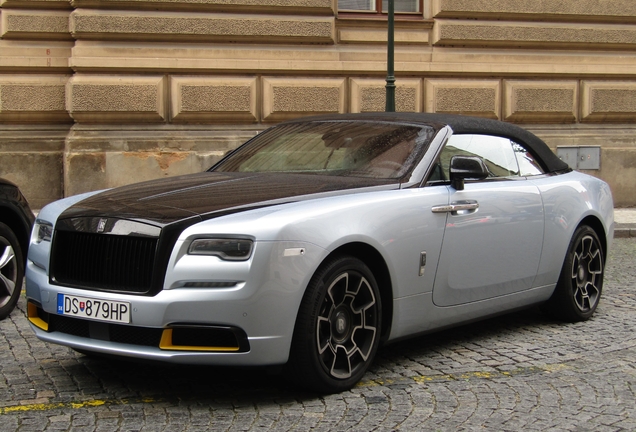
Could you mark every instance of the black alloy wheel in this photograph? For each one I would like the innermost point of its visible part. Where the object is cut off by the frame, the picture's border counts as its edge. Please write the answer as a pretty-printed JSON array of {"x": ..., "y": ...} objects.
[
  {"x": 580, "y": 285},
  {"x": 338, "y": 327},
  {"x": 11, "y": 270}
]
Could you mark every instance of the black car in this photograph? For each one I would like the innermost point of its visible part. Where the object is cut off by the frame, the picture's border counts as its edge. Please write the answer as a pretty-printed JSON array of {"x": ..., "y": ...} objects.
[{"x": 16, "y": 220}]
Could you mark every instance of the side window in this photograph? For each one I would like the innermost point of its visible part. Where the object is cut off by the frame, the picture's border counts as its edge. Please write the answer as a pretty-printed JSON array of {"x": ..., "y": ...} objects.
[
  {"x": 496, "y": 152},
  {"x": 503, "y": 157},
  {"x": 528, "y": 166}
]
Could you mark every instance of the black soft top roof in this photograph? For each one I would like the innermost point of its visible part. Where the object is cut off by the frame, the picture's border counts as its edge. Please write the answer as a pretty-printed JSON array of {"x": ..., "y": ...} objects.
[{"x": 462, "y": 125}]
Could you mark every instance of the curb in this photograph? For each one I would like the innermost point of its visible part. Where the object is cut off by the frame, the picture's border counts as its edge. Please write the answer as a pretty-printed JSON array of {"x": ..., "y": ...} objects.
[{"x": 624, "y": 232}]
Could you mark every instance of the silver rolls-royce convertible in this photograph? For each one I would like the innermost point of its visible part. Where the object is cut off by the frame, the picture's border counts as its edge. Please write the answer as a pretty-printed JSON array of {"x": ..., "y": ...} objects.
[{"x": 318, "y": 240}]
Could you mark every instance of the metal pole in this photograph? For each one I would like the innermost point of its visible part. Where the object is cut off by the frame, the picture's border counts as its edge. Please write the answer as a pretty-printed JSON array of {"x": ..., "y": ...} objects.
[{"x": 390, "y": 73}]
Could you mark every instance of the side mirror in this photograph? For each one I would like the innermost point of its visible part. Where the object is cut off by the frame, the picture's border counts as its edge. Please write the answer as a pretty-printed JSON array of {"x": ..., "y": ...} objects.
[{"x": 466, "y": 167}]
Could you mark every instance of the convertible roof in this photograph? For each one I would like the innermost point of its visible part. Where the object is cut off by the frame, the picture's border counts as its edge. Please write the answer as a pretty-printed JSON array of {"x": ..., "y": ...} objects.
[{"x": 459, "y": 124}]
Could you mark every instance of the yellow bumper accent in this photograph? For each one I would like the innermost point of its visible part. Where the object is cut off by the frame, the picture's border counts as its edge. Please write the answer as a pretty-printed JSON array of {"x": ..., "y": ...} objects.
[
  {"x": 166, "y": 344},
  {"x": 34, "y": 317}
]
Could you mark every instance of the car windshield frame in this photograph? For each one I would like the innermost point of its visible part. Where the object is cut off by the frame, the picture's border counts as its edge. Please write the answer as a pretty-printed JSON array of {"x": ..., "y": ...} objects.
[{"x": 344, "y": 148}]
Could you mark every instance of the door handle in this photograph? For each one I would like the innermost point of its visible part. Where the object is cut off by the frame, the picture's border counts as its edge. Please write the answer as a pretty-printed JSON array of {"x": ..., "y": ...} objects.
[{"x": 468, "y": 206}]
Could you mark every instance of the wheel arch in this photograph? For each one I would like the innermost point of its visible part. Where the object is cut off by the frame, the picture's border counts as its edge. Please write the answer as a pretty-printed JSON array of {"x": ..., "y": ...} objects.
[
  {"x": 595, "y": 223},
  {"x": 377, "y": 265}
]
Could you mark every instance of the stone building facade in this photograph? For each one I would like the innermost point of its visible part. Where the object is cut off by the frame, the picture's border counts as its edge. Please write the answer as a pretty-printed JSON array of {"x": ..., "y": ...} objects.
[{"x": 101, "y": 93}]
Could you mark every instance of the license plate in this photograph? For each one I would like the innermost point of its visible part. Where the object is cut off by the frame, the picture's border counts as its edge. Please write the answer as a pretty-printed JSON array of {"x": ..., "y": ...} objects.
[{"x": 94, "y": 309}]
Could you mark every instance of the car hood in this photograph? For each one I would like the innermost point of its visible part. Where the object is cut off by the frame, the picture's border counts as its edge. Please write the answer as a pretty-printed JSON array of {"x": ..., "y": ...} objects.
[{"x": 210, "y": 194}]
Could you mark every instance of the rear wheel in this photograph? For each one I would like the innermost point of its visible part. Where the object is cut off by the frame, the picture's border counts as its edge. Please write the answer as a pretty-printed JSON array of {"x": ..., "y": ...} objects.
[
  {"x": 11, "y": 270},
  {"x": 580, "y": 285},
  {"x": 338, "y": 327}
]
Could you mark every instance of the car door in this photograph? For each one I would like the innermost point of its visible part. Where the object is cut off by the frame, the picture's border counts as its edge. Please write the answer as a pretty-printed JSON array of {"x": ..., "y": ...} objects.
[{"x": 494, "y": 227}]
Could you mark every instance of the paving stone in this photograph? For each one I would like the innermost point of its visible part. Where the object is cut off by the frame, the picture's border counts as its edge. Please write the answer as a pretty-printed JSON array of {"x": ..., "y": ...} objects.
[{"x": 515, "y": 372}]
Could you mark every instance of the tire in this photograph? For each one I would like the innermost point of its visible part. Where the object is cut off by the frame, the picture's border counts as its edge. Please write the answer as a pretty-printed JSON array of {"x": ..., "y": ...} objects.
[
  {"x": 338, "y": 327},
  {"x": 580, "y": 284},
  {"x": 11, "y": 270}
]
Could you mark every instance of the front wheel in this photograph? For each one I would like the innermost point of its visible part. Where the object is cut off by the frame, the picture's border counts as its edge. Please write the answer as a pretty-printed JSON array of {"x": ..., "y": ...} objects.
[
  {"x": 338, "y": 327},
  {"x": 580, "y": 284},
  {"x": 11, "y": 270}
]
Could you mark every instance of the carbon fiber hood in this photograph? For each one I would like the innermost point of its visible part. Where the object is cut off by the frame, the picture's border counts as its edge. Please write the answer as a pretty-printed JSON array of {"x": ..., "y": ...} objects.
[{"x": 208, "y": 194}]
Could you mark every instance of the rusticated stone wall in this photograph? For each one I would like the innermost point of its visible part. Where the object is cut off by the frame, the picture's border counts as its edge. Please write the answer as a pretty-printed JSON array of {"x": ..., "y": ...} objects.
[
  {"x": 101, "y": 93},
  {"x": 584, "y": 10}
]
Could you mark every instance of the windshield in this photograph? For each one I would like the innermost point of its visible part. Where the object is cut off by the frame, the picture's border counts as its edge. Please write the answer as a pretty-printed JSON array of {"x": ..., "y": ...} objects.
[{"x": 344, "y": 148}]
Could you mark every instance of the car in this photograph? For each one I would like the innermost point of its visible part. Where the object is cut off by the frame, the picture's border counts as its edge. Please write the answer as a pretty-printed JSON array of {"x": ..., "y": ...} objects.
[
  {"x": 318, "y": 240},
  {"x": 16, "y": 221}
]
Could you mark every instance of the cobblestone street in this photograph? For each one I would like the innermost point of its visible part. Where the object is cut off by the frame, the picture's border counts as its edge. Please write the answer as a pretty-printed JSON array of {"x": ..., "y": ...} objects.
[{"x": 516, "y": 372}]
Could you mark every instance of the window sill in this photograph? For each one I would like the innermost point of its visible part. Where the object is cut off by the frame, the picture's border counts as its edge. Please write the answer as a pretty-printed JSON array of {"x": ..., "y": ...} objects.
[{"x": 372, "y": 16}]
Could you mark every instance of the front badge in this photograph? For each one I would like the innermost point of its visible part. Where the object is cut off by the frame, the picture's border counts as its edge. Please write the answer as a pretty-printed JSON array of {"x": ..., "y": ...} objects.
[{"x": 101, "y": 225}]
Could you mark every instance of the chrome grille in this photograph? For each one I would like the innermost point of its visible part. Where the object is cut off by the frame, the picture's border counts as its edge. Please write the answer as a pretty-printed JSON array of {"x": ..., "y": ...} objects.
[{"x": 103, "y": 262}]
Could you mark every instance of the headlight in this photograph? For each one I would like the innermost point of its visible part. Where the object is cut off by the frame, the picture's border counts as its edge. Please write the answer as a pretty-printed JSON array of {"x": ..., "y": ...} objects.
[
  {"x": 227, "y": 249},
  {"x": 42, "y": 231}
]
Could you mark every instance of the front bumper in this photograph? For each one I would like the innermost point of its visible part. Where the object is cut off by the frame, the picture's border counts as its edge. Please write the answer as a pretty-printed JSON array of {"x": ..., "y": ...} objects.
[{"x": 190, "y": 325}]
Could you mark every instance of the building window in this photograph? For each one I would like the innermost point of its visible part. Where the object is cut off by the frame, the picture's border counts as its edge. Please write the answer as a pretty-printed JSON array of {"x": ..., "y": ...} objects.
[{"x": 378, "y": 6}]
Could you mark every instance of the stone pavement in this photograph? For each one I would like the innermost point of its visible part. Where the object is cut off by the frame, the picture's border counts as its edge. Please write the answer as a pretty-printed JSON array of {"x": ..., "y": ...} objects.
[{"x": 521, "y": 371}]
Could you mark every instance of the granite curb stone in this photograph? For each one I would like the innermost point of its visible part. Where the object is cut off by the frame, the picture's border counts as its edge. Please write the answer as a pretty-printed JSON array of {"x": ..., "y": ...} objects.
[{"x": 625, "y": 219}]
